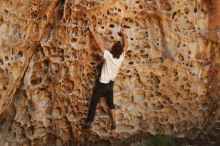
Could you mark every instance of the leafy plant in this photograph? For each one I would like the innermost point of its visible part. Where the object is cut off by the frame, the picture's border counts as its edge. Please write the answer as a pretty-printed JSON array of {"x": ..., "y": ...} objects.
[{"x": 159, "y": 140}]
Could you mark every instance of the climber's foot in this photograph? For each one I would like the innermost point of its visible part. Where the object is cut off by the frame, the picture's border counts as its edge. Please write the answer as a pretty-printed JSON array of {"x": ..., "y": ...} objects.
[
  {"x": 88, "y": 125},
  {"x": 113, "y": 125}
]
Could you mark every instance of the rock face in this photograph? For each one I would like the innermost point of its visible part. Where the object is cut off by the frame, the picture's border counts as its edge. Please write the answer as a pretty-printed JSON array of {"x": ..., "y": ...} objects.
[{"x": 168, "y": 83}]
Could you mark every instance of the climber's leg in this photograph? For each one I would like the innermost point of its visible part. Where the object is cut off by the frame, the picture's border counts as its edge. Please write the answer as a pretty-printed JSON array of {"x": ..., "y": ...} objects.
[
  {"x": 110, "y": 102},
  {"x": 92, "y": 108},
  {"x": 109, "y": 99},
  {"x": 98, "y": 92}
]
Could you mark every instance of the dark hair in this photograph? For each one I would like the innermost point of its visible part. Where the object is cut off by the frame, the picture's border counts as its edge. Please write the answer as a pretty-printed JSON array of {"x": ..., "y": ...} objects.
[{"x": 117, "y": 49}]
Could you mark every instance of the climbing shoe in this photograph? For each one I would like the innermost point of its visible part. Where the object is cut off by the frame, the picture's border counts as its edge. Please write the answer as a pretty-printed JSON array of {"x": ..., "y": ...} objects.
[
  {"x": 87, "y": 125},
  {"x": 113, "y": 125}
]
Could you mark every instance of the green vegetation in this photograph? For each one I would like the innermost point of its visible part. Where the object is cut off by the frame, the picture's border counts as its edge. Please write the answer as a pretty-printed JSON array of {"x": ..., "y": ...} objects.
[{"x": 159, "y": 140}]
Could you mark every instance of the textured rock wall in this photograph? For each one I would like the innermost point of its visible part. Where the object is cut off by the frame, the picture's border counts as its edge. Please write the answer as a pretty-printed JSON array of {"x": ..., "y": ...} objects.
[{"x": 168, "y": 83}]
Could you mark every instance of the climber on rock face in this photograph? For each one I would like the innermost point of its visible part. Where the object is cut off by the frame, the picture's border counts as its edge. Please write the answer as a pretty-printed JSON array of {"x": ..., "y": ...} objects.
[{"x": 104, "y": 84}]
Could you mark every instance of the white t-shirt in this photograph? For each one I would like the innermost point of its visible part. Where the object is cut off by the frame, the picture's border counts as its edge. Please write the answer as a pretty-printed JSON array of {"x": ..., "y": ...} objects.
[{"x": 110, "y": 67}]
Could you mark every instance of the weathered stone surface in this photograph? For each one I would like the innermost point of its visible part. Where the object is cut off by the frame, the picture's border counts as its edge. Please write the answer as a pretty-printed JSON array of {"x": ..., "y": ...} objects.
[{"x": 168, "y": 83}]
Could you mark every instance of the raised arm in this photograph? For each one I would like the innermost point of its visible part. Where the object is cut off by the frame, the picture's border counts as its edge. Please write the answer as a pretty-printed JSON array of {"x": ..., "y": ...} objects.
[
  {"x": 124, "y": 40},
  {"x": 97, "y": 39}
]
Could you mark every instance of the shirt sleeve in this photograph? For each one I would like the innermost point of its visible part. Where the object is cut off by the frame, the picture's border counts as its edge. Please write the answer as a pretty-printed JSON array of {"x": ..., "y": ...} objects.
[
  {"x": 123, "y": 53},
  {"x": 107, "y": 54}
]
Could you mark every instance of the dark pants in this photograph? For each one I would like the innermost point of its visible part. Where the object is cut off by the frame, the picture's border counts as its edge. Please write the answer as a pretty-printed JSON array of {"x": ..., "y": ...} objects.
[{"x": 100, "y": 90}]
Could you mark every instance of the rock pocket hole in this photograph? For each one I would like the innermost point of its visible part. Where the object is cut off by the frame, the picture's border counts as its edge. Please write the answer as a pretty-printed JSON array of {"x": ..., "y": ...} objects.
[
  {"x": 20, "y": 54},
  {"x": 145, "y": 56},
  {"x": 6, "y": 58},
  {"x": 1, "y": 20},
  {"x": 174, "y": 14},
  {"x": 195, "y": 10},
  {"x": 1, "y": 62},
  {"x": 181, "y": 57},
  {"x": 131, "y": 63},
  {"x": 4, "y": 88},
  {"x": 111, "y": 26},
  {"x": 45, "y": 18},
  {"x": 73, "y": 39}
]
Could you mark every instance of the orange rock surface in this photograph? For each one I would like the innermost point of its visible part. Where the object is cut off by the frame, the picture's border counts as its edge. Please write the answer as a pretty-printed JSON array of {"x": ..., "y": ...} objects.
[{"x": 168, "y": 84}]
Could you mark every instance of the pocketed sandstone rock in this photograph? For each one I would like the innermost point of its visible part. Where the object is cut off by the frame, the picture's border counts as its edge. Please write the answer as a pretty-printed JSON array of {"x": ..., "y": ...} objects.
[{"x": 168, "y": 83}]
